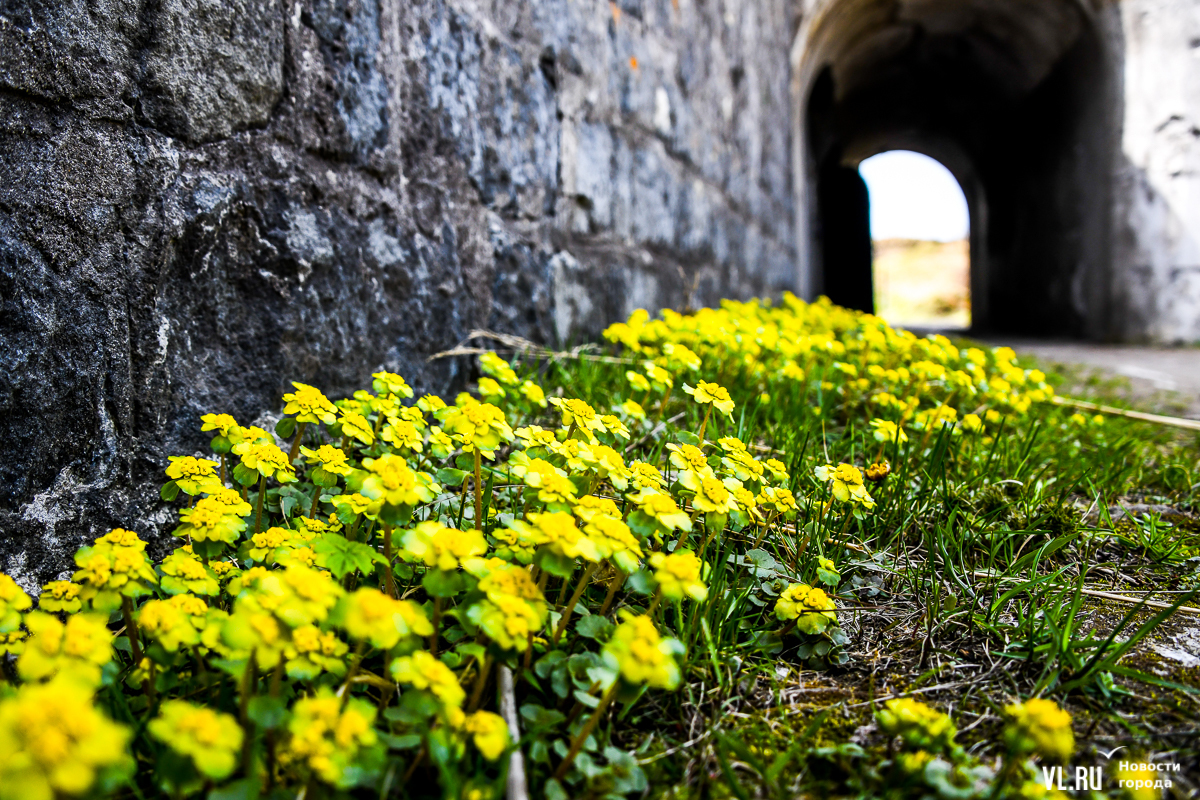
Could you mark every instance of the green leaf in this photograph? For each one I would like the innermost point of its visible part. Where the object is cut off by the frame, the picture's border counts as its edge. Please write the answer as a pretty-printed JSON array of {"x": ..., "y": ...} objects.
[
  {"x": 267, "y": 712},
  {"x": 451, "y": 477},
  {"x": 220, "y": 445},
  {"x": 247, "y": 789},
  {"x": 557, "y": 565},
  {"x": 244, "y": 475},
  {"x": 285, "y": 427},
  {"x": 341, "y": 556},
  {"x": 442, "y": 583},
  {"x": 594, "y": 627},
  {"x": 687, "y": 437},
  {"x": 169, "y": 491}
]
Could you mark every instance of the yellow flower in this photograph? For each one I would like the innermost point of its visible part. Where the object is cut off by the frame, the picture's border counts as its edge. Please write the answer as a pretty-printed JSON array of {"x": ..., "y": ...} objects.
[
  {"x": 812, "y": 609},
  {"x": 888, "y": 431},
  {"x": 614, "y": 426},
  {"x": 355, "y": 426},
  {"x": 431, "y": 403},
  {"x": 533, "y": 393},
  {"x": 607, "y": 463},
  {"x": 490, "y": 388},
  {"x": 440, "y": 444},
  {"x": 56, "y": 596},
  {"x": 507, "y": 620},
  {"x": 488, "y": 731},
  {"x": 211, "y": 739},
  {"x": 633, "y": 410},
  {"x": 637, "y": 381},
  {"x": 536, "y": 436},
  {"x": 556, "y": 531},
  {"x": 424, "y": 672},
  {"x": 589, "y": 507},
  {"x": 13, "y": 601},
  {"x": 711, "y": 495},
  {"x": 210, "y": 521},
  {"x": 12, "y": 643},
  {"x": 440, "y": 547},
  {"x": 233, "y": 502},
  {"x": 614, "y": 541},
  {"x": 551, "y": 483},
  {"x": 386, "y": 383},
  {"x": 354, "y": 503},
  {"x": 55, "y": 742},
  {"x": 193, "y": 475},
  {"x": 313, "y": 651},
  {"x": 778, "y": 499},
  {"x": 680, "y": 357},
  {"x": 266, "y": 458},
  {"x": 679, "y": 574},
  {"x": 847, "y": 484},
  {"x": 331, "y": 459},
  {"x": 689, "y": 457},
  {"x": 114, "y": 567},
  {"x": 403, "y": 435},
  {"x": 972, "y": 423},
  {"x": 877, "y": 472},
  {"x": 183, "y": 572},
  {"x": 325, "y": 739},
  {"x": 641, "y": 655},
  {"x": 659, "y": 378},
  {"x": 1039, "y": 726},
  {"x": 221, "y": 423},
  {"x": 503, "y": 579},
  {"x": 370, "y": 615},
  {"x": 662, "y": 509},
  {"x": 777, "y": 468},
  {"x": 498, "y": 368},
  {"x": 391, "y": 483},
  {"x": 477, "y": 425},
  {"x": 706, "y": 393},
  {"x": 309, "y": 405},
  {"x": 580, "y": 415},
  {"x": 920, "y": 726},
  {"x": 172, "y": 624},
  {"x": 645, "y": 476},
  {"x": 78, "y": 648}
]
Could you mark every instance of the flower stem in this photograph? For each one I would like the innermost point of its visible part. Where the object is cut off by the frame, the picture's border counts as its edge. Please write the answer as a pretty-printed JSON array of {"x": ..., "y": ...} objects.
[
  {"x": 388, "y": 578},
  {"x": 437, "y": 623},
  {"x": 570, "y": 608},
  {"x": 485, "y": 669},
  {"x": 296, "y": 442},
  {"x": 131, "y": 630},
  {"x": 586, "y": 731},
  {"x": 478, "y": 490},
  {"x": 262, "y": 493},
  {"x": 704, "y": 423},
  {"x": 614, "y": 586},
  {"x": 352, "y": 673},
  {"x": 249, "y": 679}
]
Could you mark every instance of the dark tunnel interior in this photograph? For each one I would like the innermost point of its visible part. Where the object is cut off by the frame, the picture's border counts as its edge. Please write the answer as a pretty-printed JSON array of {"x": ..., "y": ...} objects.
[{"x": 1012, "y": 96}]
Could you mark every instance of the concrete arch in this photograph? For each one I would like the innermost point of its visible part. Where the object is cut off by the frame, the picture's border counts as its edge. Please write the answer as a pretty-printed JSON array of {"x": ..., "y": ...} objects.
[{"x": 1016, "y": 97}]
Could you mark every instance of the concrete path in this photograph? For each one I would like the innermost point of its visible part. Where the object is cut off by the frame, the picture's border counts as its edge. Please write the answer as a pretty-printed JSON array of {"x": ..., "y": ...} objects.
[{"x": 1162, "y": 379}]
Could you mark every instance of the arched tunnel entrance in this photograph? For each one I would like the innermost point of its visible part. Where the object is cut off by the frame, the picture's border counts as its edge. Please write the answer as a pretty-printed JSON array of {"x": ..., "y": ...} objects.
[{"x": 1015, "y": 98}]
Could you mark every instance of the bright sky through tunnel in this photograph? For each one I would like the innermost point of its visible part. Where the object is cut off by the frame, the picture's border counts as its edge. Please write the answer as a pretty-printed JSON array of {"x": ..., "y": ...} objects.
[
  {"x": 919, "y": 228},
  {"x": 914, "y": 197}
]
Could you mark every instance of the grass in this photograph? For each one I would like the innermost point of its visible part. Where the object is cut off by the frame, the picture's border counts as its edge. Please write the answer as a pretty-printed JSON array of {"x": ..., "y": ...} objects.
[{"x": 973, "y": 583}]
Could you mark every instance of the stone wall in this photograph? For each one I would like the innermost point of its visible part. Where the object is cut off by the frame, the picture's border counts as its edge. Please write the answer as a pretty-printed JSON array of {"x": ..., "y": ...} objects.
[
  {"x": 201, "y": 200},
  {"x": 1156, "y": 216}
]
